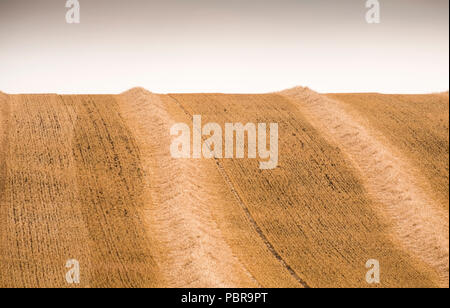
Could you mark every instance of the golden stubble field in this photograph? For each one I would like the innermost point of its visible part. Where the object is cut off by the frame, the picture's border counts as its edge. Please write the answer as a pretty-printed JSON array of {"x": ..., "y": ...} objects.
[{"x": 91, "y": 178}]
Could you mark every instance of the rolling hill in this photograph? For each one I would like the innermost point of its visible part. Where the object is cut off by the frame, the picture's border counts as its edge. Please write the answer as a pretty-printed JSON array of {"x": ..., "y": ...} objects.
[{"x": 91, "y": 178}]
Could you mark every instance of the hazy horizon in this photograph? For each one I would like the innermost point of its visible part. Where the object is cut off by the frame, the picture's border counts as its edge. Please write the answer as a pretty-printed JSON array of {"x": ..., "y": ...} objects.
[
  {"x": 218, "y": 92},
  {"x": 245, "y": 46}
]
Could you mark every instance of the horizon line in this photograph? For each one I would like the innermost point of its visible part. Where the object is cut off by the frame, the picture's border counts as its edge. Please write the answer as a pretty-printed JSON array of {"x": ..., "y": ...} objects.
[{"x": 225, "y": 93}]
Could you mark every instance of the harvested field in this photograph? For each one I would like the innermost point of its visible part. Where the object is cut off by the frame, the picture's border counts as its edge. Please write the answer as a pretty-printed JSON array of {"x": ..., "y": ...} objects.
[
  {"x": 91, "y": 178},
  {"x": 417, "y": 125},
  {"x": 71, "y": 191},
  {"x": 418, "y": 223}
]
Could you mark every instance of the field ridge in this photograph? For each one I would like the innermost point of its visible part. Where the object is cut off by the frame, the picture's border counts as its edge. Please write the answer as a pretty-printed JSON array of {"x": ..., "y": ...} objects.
[
  {"x": 420, "y": 224},
  {"x": 182, "y": 223}
]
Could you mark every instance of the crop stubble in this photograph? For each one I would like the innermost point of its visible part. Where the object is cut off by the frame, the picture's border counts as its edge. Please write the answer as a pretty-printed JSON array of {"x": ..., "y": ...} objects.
[
  {"x": 71, "y": 192},
  {"x": 91, "y": 178},
  {"x": 313, "y": 209}
]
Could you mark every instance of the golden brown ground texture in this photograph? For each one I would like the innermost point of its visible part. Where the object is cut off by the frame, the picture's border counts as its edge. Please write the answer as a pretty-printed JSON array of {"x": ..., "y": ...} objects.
[{"x": 91, "y": 178}]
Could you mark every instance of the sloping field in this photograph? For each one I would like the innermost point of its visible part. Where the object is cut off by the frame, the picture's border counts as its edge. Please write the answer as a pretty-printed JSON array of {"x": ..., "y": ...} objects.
[
  {"x": 418, "y": 222},
  {"x": 91, "y": 178},
  {"x": 190, "y": 247},
  {"x": 313, "y": 210},
  {"x": 71, "y": 189},
  {"x": 417, "y": 125}
]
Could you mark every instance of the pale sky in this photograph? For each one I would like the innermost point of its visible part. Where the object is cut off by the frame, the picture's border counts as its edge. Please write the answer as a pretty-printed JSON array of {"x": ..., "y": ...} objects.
[{"x": 229, "y": 46}]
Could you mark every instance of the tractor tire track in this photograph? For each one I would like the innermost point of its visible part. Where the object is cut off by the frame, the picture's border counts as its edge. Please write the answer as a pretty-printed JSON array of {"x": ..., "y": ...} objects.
[
  {"x": 248, "y": 214},
  {"x": 191, "y": 251}
]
